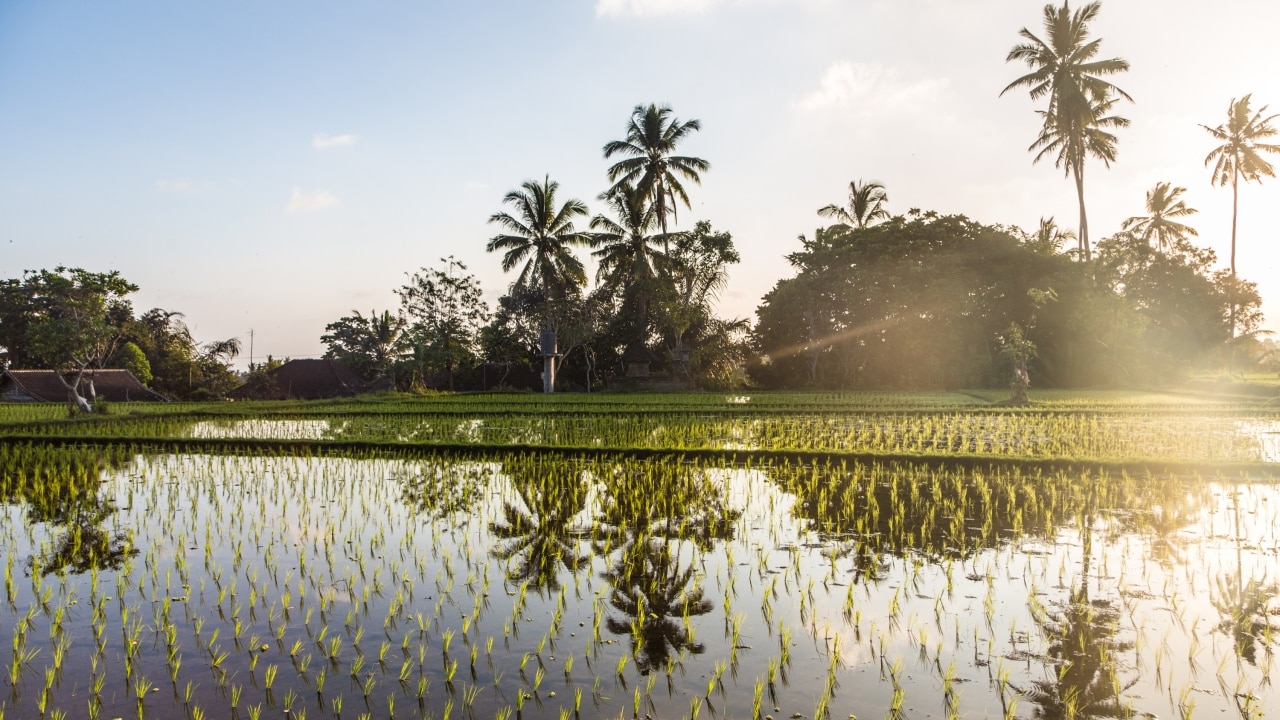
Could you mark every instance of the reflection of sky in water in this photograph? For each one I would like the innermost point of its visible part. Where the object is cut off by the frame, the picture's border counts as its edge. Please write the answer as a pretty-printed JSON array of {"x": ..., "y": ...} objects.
[
  {"x": 265, "y": 429},
  {"x": 1265, "y": 433}
]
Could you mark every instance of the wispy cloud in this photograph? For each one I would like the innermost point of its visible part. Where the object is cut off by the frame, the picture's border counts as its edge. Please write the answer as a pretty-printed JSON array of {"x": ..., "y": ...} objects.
[
  {"x": 650, "y": 8},
  {"x": 871, "y": 90},
  {"x": 310, "y": 201},
  {"x": 322, "y": 140}
]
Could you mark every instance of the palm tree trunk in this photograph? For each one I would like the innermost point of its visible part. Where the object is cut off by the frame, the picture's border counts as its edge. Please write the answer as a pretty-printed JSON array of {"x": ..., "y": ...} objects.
[
  {"x": 1078, "y": 171},
  {"x": 1235, "y": 199}
]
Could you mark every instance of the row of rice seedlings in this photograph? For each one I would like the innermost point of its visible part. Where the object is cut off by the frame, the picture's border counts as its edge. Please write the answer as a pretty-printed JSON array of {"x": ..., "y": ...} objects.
[
  {"x": 1096, "y": 436},
  {"x": 300, "y": 584}
]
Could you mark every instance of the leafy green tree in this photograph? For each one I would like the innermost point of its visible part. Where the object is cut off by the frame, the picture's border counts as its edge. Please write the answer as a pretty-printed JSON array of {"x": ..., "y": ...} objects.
[
  {"x": 865, "y": 205},
  {"x": 916, "y": 303},
  {"x": 16, "y": 312},
  {"x": 182, "y": 368},
  {"x": 1240, "y": 154},
  {"x": 69, "y": 329},
  {"x": 445, "y": 311},
  {"x": 649, "y": 164},
  {"x": 371, "y": 345},
  {"x": 1064, "y": 67},
  {"x": 697, "y": 271},
  {"x": 130, "y": 357},
  {"x": 1159, "y": 224}
]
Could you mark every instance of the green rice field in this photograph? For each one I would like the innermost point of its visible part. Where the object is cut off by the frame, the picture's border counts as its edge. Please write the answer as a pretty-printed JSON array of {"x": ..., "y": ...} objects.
[{"x": 643, "y": 556}]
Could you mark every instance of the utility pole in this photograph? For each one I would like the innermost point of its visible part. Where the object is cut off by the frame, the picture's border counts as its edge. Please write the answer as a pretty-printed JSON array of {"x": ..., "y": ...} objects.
[{"x": 250, "y": 349}]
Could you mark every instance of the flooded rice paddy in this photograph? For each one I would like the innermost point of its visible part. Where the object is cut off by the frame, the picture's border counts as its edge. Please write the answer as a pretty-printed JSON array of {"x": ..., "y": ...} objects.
[{"x": 522, "y": 585}]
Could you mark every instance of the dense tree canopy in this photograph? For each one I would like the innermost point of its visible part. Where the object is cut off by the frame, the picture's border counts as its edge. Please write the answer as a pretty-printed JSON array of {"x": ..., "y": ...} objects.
[{"x": 927, "y": 302}]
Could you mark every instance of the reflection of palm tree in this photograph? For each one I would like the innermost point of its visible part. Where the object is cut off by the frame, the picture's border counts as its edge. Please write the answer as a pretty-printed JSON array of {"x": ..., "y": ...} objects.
[
  {"x": 652, "y": 589},
  {"x": 1082, "y": 649},
  {"x": 541, "y": 538},
  {"x": 1245, "y": 607}
]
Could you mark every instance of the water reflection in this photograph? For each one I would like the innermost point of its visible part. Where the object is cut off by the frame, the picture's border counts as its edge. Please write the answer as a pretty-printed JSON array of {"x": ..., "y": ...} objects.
[
  {"x": 540, "y": 534},
  {"x": 61, "y": 489},
  {"x": 1082, "y": 659},
  {"x": 657, "y": 595}
]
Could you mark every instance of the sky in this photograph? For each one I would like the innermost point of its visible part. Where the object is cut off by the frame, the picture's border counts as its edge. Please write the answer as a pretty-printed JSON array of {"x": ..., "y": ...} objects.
[{"x": 273, "y": 166}]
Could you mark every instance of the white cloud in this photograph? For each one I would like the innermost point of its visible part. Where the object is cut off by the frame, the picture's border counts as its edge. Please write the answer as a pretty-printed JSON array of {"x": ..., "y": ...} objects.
[
  {"x": 475, "y": 186},
  {"x": 321, "y": 140},
  {"x": 870, "y": 90},
  {"x": 310, "y": 201},
  {"x": 651, "y": 8}
]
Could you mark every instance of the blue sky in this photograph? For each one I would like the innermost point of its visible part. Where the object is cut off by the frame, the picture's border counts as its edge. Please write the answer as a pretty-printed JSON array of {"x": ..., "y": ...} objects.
[{"x": 275, "y": 165}]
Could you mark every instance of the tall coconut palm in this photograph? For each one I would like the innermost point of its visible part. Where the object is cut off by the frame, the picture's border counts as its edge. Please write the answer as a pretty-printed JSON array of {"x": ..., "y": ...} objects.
[
  {"x": 866, "y": 205},
  {"x": 1064, "y": 67},
  {"x": 541, "y": 236},
  {"x": 1071, "y": 141},
  {"x": 1159, "y": 224},
  {"x": 627, "y": 253},
  {"x": 1239, "y": 155},
  {"x": 649, "y": 163}
]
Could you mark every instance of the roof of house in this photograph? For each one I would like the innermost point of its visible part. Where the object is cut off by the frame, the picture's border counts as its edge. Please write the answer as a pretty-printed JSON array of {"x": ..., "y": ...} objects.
[
  {"x": 110, "y": 384},
  {"x": 307, "y": 380}
]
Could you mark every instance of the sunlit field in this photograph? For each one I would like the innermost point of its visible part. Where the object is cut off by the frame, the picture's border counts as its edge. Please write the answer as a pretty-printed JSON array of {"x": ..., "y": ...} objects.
[{"x": 648, "y": 556}]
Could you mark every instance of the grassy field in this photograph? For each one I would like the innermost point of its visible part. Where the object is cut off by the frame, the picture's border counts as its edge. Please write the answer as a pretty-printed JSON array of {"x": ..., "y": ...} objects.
[{"x": 643, "y": 556}]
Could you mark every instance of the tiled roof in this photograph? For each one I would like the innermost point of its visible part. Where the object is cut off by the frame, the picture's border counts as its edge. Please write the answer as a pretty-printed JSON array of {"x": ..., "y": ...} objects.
[{"x": 309, "y": 380}]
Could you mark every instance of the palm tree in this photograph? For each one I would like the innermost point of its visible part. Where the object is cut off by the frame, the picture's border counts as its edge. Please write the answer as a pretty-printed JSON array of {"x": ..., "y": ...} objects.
[
  {"x": 1070, "y": 144},
  {"x": 1064, "y": 67},
  {"x": 1048, "y": 236},
  {"x": 629, "y": 257},
  {"x": 866, "y": 205},
  {"x": 627, "y": 253},
  {"x": 1158, "y": 224},
  {"x": 1238, "y": 155},
  {"x": 541, "y": 236},
  {"x": 650, "y": 166}
]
